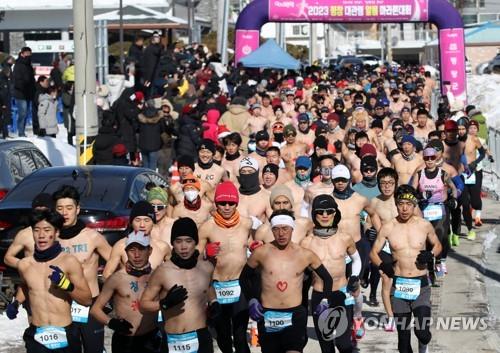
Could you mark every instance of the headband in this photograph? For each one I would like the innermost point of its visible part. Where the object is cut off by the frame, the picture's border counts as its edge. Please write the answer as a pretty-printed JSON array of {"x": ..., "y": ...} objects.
[
  {"x": 282, "y": 220},
  {"x": 409, "y": 197}
]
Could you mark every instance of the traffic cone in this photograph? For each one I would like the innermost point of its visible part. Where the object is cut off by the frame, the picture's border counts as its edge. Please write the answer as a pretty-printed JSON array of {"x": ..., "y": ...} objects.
[{"x": 254, "y": 334}]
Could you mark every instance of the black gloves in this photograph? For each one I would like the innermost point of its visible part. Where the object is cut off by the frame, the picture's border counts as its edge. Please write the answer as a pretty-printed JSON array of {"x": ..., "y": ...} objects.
[
  {"x": 371, "y": 234},
  {"x": 424, "y": 257},
  {"x": 451, "y": 203},
  {"x": 387, "y": 268},
  {"x": 176, "y": 295},
  {"x": 337, "y": 298},
  {"x": 353, "y": 284},
  {"x": 214, "y": 310},
  {"x": 490, "y": 158},
  {"x": 121, "y": 326},
  {"x": 338, "y": 146},
  {"x": 472, "y": 166}
]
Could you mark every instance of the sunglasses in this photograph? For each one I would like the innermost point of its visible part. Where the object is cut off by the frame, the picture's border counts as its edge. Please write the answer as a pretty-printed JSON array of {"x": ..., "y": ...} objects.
[
  {"x": 340, "y": 180},
  {"x": 430, "y": 158},
  {"x": 188, "y": 181},
  {"x": 369, "y": 170},
  {"x": 226, "y": 203},
  {"x": 328, "y": 211},
  {"x": 303, "y": 122},
  {"x": 397, "y": 129},
  {"x": 159, "y": 207}
]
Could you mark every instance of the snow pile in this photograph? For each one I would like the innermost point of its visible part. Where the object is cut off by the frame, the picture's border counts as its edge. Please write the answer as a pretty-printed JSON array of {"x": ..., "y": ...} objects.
[
  {"x": 12, "y": 331},
  {"x": 483, "y": 92}
]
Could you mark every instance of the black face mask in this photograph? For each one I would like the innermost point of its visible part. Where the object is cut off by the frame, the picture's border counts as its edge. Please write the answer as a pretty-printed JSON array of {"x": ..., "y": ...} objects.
[
  {"x": 261, "y": 152},
  {"x": 279, "y": 137},
  {"x": 137, "y": 272},
  {"x": 249, "y": 183},
  {"x": 186, "y": 264},
  {"x": 370, "y": 182},
  {"x": 462, "y": 138},
  {"x": 217, "y": 162},
  {"x": 205, "y": 165},
  {"x": 343, "y": 195},
  {"x": 47, "y": 254},
  {"x": 73, "y": 231}
]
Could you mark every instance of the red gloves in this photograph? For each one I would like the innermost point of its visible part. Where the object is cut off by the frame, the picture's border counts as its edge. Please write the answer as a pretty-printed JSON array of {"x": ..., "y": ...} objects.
[
  {"x": 212, "y": 249},
  {"x": 255, "y": 244}
]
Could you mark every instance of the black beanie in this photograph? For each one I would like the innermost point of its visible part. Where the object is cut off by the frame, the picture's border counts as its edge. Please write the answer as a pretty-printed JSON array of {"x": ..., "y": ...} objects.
[
  {"x": 142, "y": 208},
  {"x": 43, "y": 200},
  {"x": 207, "y": 145},
  {"x": 377, "y": 123},
  {"x": 261, "y": 136},
  {"x": 186, "y": 227},
  {"x": 324, "y": 202},
  {"x": 271, "y": 168},
  {"x": 185, "y": 161},
  {"x": 368, "y": 162}
]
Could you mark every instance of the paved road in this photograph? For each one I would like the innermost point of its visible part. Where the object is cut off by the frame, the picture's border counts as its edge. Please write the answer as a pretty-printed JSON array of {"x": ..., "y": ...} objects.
[{"x": 470, "y": 290}]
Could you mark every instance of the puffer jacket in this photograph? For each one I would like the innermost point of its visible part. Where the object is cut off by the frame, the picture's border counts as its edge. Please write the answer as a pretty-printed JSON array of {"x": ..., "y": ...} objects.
[
  {"x": 189, "y": 136},
  {"x": 150, "y": 131},
  {"x": 47, "y": 113}
]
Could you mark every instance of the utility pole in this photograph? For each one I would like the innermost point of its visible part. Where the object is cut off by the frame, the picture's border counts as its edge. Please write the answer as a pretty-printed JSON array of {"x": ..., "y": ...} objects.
[
  {"x": 122, "y": 57},
  {"x": 85, "y": 76},
  {"x": 389, "y": 43},
  {"x": 313, "y": 42},
  {"x": 222, "y": 29}
]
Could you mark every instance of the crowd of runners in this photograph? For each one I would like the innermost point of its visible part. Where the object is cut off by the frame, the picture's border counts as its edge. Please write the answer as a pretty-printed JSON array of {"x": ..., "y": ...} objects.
[{"x": 334, "y": 180}]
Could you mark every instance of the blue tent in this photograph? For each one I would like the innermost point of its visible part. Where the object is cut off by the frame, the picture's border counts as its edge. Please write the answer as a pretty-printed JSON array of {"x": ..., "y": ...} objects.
[{"x": 270, "y": 55}]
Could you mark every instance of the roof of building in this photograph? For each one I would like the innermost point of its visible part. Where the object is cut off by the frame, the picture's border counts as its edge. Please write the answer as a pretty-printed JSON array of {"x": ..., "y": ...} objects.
[{"x": 482, "y": 33}]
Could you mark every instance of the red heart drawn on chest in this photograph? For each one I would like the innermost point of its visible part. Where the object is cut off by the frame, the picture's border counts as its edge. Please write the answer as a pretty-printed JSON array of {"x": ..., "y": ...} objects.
[{"x": 282, "y": 286}]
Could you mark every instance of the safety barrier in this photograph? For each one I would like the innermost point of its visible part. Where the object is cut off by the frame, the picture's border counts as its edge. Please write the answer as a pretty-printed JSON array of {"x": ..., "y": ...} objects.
[{"x": 491, "y": 171}]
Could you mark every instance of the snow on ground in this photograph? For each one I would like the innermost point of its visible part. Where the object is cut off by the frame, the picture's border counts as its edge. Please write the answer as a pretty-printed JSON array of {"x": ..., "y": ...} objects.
[
  {"x": 484, "y": 93},
  {"x": 12, "y": 332}
]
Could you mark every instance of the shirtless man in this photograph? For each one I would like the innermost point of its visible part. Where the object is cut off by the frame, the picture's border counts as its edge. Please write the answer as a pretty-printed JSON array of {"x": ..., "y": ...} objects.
[
  {"x": 261, "y": 145},
  {"x": 474, "y": 154},
  {"x": 408, "y": 162},
  {"x": 292, "y": 149},
  {"x": 226, "y": 237},
  {"x": 194, "y": 206},
  {"x": 87, "y": 245},
  {"x": 232, "y": 157},
  {"x": 282, "y": 199},
  {"x": 181, "y": 289},
  {"x": 326, "y": 164},
  {"x": 332, "y": 247},
  {"x": 270, "y": 173},
  {"x": 205, "y": 169},
  {"x": 410, "y": 294},
  {"x": 273, "y": 156},
  {"x": 301, "y": 182},
  {"x": 256, "y": 122},
  {"x": 24, "y": 242},
  {"x": 281, "y": 319},
  {"x": 142, "y": 219},
  {"x": 186, "y": 167},
  {"x": 253, "y": 198},
  {"x": 304, "y": 132},
  {"x": 423, "y": 127},
  {"x": 158, "y": 198},
  {"x": 351, "y": 204},
  {"x": 52, "y": 279},
  {"x": 453, "y": 148},
  {"x": 133, "y": 330}
]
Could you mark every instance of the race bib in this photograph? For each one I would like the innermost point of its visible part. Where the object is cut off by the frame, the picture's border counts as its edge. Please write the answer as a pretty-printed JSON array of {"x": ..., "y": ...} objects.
[
  {"x": 51, "y": 337},
  {"x": 184, "y": 343},
  {"x": 79, "y": 313},
  {"x": 386, "y": 248},
  {"x": 349, "y": 299},
  {"x": 276, "y": 321},
  {"x": 348, "y": 260},
  {"x": 407, "y": 288},
  {"x": 433, "y": 212},
  {"x": 471, "y": 180},
  {"x": 227, "y": 292}
]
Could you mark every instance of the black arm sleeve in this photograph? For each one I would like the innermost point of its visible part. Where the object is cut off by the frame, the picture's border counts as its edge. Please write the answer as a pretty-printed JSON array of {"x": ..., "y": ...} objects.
[
  {"x": 323, "y": 273},
  {"x": 482, "y": 154},
  {"x": 250, "y": 282}
]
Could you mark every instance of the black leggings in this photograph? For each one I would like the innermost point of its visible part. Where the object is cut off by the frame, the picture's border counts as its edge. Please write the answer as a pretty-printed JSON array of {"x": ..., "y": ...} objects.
[
  {"x": 442, "y": 229},
  {"x": 72, "y": 336},
  {"x": 422, "y": 316},
  {"x": 456, "y": 219},
  {"x": 343, "y": 342},
  {"x": 474, "y": 191},
  {"x": 147, "y": 343},
  {"x": 231, "y": 327}
]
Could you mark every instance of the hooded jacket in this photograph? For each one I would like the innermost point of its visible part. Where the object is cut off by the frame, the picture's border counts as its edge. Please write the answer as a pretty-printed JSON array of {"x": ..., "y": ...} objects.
[
  {"x": 103, "y": 145},
  {"x": 24, "y": 79},
  {"x": 210, "y": 127},
  {"x": 189, "y": 136},
  {"x": 47, "y": 114},
  {"x": 150, "y": 131}
]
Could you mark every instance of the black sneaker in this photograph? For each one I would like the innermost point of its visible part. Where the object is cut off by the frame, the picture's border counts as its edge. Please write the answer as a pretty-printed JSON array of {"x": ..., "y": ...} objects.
[{"x": 372, "y": 301}]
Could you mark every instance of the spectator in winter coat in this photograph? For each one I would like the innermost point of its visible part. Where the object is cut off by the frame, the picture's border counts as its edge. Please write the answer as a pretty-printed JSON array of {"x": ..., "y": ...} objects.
[
  {"x": 151, "y": 60},
  {"x": 189, "y": 135},
  {"x": 5, "y": 98},
  {"x": 41, "y": 87},
  {"x": 105, "y": 140},
  {"x": 24, "y": 87},
  {"x": 68, "y": 104},
  {"x": 120, "y": 154},
  {"x": 136, "y": 56},
  {"x": 117, "y": 82},
  {"x": 127, "y": 109},
  {"x": 151, "y": 128},
  {"x": 210, "y": 127},
  {"x": 47, "y": 113},
  {"x": 236, "y": 118}
]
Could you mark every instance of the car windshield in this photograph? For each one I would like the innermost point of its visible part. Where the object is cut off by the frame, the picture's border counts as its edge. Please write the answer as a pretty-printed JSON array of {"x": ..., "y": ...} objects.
[{"x": 102, "y": 192}]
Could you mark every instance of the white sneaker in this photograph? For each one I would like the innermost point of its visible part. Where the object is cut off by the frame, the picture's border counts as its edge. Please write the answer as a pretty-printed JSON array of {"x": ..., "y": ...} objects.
[
  {"x": 422, "y": 348},
  {"x": 390, "y": 326},
  {"x": 443, "y": 267}
]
